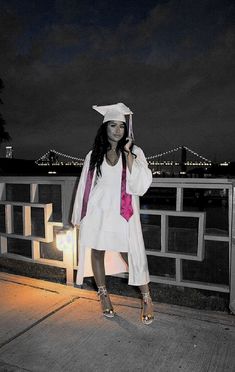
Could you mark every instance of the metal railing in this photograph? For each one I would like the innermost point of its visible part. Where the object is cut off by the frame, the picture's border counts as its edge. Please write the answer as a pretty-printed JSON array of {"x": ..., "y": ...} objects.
[
  {"x": 180, "y": 185},
  {"x": 54, "y": 217},
  {"x": 178, "y": 235}
]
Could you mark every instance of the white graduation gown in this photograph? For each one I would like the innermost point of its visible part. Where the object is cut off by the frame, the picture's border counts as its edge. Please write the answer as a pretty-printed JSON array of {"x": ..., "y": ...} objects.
[{"x": 103, "y": 228}]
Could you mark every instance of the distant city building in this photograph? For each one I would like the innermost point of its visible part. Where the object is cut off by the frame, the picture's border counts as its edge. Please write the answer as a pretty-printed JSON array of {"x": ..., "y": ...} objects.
[{"x": 9, "y": 152}]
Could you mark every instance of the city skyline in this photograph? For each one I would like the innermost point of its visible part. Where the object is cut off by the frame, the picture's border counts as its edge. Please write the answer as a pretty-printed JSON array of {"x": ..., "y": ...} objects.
[{"x": 171, "y": 62}]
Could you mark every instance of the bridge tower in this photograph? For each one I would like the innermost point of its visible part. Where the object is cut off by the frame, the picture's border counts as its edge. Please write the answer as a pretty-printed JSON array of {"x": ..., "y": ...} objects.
[{"x": 183, "y": 160}]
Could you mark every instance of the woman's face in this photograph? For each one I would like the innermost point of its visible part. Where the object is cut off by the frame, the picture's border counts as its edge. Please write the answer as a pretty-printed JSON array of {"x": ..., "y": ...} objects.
[{"x": 115, "y": 130}]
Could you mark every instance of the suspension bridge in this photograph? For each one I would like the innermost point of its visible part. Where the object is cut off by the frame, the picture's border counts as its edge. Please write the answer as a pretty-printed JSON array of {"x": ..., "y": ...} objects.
[{"x": 178, "y": 160}]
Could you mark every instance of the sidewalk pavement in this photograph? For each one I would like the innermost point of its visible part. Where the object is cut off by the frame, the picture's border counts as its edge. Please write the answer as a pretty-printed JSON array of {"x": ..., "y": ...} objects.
[{"x": 52, "y": 328}]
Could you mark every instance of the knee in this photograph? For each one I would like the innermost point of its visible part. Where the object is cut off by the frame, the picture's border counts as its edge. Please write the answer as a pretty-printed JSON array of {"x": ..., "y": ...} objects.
[{"x": 97, "y": 255}]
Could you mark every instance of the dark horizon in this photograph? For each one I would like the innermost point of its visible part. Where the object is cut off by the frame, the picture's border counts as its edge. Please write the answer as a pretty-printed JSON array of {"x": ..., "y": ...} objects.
[{"x": 171, "y": 62}]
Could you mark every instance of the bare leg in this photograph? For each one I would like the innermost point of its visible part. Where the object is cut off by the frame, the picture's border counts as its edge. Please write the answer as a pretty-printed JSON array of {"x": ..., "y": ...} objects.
[
  {"x": 97, "y": 261},
  {"x": 144, "y": 288}
]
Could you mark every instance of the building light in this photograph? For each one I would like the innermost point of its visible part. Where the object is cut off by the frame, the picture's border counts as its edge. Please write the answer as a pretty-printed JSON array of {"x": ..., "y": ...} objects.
[{"x": 9, "y": 152}]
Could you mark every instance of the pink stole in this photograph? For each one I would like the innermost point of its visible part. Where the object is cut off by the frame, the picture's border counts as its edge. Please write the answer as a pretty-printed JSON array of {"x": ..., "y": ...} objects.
[{"x": 126, "y": 209}]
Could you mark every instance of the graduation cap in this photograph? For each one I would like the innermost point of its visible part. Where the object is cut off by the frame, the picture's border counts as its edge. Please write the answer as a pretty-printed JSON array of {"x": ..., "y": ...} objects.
[{"x": 116, "y": 112}]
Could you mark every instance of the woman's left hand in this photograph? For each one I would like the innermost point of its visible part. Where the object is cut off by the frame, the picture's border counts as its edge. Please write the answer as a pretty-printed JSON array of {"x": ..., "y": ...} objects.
[{"x": 128, "y": 144}]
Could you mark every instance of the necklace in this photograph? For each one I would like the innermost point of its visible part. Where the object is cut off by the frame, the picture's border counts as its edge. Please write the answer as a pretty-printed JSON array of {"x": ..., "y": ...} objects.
[
  {"x": 110, "y": 162},
  {"x": 112, "y": 157}
]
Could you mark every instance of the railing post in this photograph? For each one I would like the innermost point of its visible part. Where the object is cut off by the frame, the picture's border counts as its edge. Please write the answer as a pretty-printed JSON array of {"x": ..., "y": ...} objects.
[
  {"x": 232, "y": 255},
  {"x": 69, "y": 260},
  {"x": 33, "y": 192},
  {"x": 179, "y": 199},
  {"x": 164, "y": 233},
  {"x": 27, "y": 220},
  {"x": 2, "y": 191},
  {"x": 35, "y": 250},
  {"x": 3, "y": 245},
  {"x": 9, "y": 218},
  {"x": 67, "y": 195}
]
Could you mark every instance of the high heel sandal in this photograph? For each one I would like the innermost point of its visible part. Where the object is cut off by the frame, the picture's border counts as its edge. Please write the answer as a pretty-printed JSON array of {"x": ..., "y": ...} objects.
[
  {"x": 146, "y": 318},
  {"x": 104, "y": 297}
]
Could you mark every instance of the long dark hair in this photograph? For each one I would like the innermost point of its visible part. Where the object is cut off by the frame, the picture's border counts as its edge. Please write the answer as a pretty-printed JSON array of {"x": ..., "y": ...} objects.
[{"x": 101, "y": 146}]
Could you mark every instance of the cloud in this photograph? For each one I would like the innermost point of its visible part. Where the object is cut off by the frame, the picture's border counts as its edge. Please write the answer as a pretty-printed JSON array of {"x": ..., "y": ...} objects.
[
  {"x": 10, "y": 28},
  {"x": 174, "y": 68}
]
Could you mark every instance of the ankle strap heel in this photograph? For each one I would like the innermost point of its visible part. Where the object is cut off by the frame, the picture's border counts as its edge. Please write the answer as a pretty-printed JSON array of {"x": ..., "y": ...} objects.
[
  {"x": 147, "y": 317},
  {"x": 102, "y": 290},
  {"x": 105, "y": 302}
]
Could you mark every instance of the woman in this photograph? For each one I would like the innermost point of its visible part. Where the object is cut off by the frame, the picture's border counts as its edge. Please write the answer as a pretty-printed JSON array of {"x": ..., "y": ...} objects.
[{"x": 114, "y": 175}]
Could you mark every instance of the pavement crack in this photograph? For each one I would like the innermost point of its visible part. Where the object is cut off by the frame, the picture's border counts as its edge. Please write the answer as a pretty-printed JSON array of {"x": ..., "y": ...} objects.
[
  {"x": 6, "y": 365},
  {"x": 222, "y": 322},
  {"x": 38, "y": 322},
  {"x": 30, "y": 285}
]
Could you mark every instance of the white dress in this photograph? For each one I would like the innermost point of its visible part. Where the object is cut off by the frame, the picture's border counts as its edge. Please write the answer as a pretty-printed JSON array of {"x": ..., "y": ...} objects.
[{"x": 103, "y": 228}]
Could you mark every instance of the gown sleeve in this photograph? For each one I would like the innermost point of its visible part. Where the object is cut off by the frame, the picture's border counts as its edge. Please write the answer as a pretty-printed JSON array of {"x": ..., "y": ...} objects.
[
  {"x": 77, "y": 207},
  {"x": 140, "y": 178}
]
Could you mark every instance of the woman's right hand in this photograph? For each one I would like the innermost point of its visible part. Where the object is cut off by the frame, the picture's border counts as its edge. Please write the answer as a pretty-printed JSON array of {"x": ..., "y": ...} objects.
[{"x": 128, "y": 144}]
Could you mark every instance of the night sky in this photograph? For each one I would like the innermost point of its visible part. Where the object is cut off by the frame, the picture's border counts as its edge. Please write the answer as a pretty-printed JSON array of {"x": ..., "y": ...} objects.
[{"x": 171, "y": 62}]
